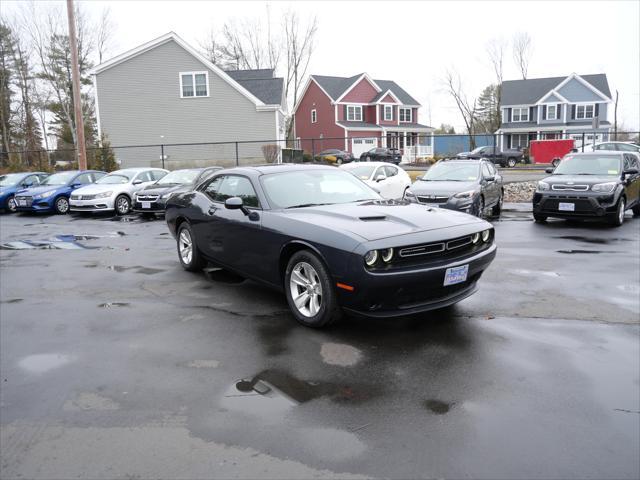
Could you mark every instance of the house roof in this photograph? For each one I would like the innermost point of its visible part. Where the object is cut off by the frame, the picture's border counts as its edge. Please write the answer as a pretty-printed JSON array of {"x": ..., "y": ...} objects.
[
  {"x": 529, "y": 91},
  {"x": 357, "y": 125},
  {"x": 260, "y": 83},
  {"x": 336, "y": 86}
]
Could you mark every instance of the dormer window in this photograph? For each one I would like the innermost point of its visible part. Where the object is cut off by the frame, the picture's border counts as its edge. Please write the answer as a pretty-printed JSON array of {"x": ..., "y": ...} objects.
[
  {"x": 354, "y": 113},
  {"x": 520, "y": 114},
  {"x": 194, "y": 84},
  {"x": 552, "y": 112}
]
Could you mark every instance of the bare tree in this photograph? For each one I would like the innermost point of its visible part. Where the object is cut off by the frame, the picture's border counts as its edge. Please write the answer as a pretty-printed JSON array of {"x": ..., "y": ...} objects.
[
  {"x": 522, "y": 50},
  {"x": 466, "y": 106},
  {"x": 496, "y": 49},
  {"x": 104, "y": 34}
]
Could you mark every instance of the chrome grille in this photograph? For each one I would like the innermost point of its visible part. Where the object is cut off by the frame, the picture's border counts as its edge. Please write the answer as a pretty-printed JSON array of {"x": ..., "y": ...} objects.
[
  {"x": 432, "y": 199},
  {"x": 575, "y": 188},
  {"x": 82, "y": 197},
  {"x": 147, "y": 198},
  {"x": 436, "y": 247},
  {"x": 23, "y": 201}
]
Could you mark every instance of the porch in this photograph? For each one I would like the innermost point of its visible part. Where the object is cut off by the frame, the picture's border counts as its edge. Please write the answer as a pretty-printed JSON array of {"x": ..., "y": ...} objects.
[{"x": 412, "y": 144}]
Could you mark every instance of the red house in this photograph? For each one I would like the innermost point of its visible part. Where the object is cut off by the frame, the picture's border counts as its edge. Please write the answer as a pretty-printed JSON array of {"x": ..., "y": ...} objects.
[{"x": 357, "y": 114}]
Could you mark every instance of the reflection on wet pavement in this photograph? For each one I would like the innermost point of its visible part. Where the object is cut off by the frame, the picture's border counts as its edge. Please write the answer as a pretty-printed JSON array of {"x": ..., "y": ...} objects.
[{"x": 42, "y": 363}]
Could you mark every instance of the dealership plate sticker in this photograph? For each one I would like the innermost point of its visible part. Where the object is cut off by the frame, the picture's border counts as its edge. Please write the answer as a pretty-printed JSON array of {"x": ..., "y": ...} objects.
[
  {"x": 433, "y": 205},
  {"x": 146, "y": 204},
  {"x": 455, "y": 275},
  {"x": 22, "y": 203},
  {"x": 567, "y": 207}
]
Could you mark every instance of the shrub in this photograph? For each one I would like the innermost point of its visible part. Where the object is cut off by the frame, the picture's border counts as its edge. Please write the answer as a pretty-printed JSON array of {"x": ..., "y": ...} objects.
[{"x": 271, "y": 152}]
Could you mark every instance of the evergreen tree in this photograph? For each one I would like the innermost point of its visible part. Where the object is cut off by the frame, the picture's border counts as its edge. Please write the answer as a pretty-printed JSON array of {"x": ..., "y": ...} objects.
[
  {"x": 7, "y": 95},
  {"x": 488, "y": 112}
]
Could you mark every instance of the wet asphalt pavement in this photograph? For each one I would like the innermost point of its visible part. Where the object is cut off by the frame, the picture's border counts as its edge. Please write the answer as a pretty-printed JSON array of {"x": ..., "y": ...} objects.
[{"x": 116, "y": 363}]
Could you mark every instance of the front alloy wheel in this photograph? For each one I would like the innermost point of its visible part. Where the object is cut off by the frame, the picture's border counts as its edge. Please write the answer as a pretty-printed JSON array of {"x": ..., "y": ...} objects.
[
  {"x": 123, "y": 205},
  {"x": 618, "y": 218},
  {"x": 188, "y": 253},
  {"x": 11, "y": 204},
  {"x": 306, "y": 289},
  {"x": 62, "y": 205},
  {"x": 511, "y": 162}
]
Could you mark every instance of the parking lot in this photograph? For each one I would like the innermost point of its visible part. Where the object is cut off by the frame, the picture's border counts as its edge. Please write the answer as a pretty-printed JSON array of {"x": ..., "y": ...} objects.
[{"x": 116, "y": 363}]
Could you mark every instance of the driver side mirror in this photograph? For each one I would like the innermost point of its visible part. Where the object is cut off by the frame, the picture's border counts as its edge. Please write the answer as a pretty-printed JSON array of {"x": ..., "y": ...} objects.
[
  {"x": 380, "y": 177},
  {"x": 490, "y": 179},
  {"x": 549, "y": 170},
  {"x": 630, "y": 171},
  {"x": 137, "y": 182}
]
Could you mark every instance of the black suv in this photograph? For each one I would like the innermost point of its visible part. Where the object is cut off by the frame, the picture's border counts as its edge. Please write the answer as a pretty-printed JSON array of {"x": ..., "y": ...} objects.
[
  {"x": 382, "y": 155},
  {"x": 590, "y": 185}
]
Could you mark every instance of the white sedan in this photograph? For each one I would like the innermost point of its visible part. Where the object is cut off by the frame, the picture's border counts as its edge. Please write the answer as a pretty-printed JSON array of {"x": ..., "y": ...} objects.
[
  {"x": 388, "y": 179},
  {"x": 114, "y": 191}
]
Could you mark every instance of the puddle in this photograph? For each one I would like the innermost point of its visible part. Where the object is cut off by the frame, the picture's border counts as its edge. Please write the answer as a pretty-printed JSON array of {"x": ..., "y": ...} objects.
[
  {"x": 137, "y": 268},
  {"x": 340, "y": 354},
  {"x": 113, "y": 304},
  {"x": 536, "y": 273},
  {"x": 203, "y": 364},
  {"x": 12, "y": 300},
  {"x": 332, "y": 443},
  {"x": 635, "y": 289},
  {"x": 58, "y": 242},
  {"x": 599, "y": 241},
  {"x": 149, "y": 271},
  {"x": 42, "y": 363},
  {"x": 90, "y": 401},
  {"x": 438, "y": 407},
  {"x": 580, "y": 251}
]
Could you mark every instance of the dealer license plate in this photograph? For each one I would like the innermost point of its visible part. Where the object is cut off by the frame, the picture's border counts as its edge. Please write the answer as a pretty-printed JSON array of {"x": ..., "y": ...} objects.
[
  {"x": 455, "y": 275},
  {"x": 433, "y": 205},
  {"x": 22, "y": 203},
  {"x": 146, "y": 204},
  {"x": 567, "y": 207}
]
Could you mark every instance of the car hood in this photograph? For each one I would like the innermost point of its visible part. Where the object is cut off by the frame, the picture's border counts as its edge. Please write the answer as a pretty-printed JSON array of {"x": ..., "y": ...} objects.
[
  {"x": 375, "y": 220},
  {"x": 463, "y": 154},
  {"x": 161, "y": 190},
  {"x": 422, "y": 187},
  {"x": 94, "y": 189},
  {"x": 38, "y": 190},
  {"x": 580, "y": 179}
]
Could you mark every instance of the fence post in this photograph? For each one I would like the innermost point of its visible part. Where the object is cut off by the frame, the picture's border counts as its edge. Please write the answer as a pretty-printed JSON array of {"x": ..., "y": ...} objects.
[
  {"x": 313, "y": 150},
  {"x": 162, "y": 154},
  {"x": 237, "y": 158},
  {"x": 583, "y": 138}
]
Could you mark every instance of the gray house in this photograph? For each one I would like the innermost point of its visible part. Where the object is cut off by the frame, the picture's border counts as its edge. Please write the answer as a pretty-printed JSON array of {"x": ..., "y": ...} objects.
[
  {"x": 551, "y": 108},
  {"x": 165, "y": 92}
]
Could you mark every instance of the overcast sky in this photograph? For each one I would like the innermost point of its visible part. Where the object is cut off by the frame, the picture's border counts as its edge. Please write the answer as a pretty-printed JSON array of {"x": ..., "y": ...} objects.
[{"x": 413, "y": 43}]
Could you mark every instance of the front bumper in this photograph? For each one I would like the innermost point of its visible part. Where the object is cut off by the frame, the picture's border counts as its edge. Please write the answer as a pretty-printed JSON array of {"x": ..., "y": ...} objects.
[
  {"x": 31, "y": 204},
  {"x": 389, "y": 294},
  {"x": 93, "y": 205},
  {"x": 157, "y": 206},
  {"x": 586, "y": 204},
  {"x": 451, "y": 203}
]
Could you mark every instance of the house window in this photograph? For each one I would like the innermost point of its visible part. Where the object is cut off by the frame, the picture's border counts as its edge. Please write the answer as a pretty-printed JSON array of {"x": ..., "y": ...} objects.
[
  {"x": 584, "y": 111},
  {"x": 194, "y": 84},
  {"x": 519, "y": 140},
  {"x": 520, "y": 114},
  {"x": 405, "y": 114},
  {"x": 388, "y": 113},
  {"x": 552, "y": 112},
  {"x": 314, "y": 116},
  {"x": 354, "y": 113}
]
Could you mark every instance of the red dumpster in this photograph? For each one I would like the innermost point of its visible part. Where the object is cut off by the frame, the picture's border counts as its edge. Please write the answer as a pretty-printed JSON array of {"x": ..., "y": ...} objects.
[{"x": 544, "y": 151}]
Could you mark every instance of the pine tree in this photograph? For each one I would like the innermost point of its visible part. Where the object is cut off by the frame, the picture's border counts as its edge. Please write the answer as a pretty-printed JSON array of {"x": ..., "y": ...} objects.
[
  {"x": 488, "y": 112},
  {"x": 7, "y": 76}
]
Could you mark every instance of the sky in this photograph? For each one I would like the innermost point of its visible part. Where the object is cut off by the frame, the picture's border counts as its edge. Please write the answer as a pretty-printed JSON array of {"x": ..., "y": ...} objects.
[{"x": 414, "y": 43}]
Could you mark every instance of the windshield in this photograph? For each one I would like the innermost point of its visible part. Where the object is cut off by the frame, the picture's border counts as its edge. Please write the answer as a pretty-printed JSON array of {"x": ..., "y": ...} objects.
[
  {"x": 114, "y": 179},
  {"x": 362, "y": 172},
  {"x": 180, "y": 177},
  {"x": 589, "y": 165},
  {"x": 453, "y": 172},
  {"x": 314, "y": 187},
  {"x": 10, "y": 179},
  {"x": 477, "y": 150},
  {"x": 61, "y": 178}
]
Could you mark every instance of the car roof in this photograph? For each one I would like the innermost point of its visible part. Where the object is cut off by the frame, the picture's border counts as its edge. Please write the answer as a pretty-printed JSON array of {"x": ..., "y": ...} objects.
[
  {"x": 276, "y": 168},
  {"x": 347, "y": 166},
  {"x": 599, "y": 153}
]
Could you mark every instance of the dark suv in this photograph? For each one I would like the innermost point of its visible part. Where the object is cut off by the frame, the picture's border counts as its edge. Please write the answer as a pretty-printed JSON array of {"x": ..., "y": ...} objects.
[{"x": 590, "y": 185}]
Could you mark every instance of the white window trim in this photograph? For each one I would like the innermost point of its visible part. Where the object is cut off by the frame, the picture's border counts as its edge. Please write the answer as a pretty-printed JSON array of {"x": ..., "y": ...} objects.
[
  {"x": 390, "y": 117},
  {"x": 193, "y": 77},
  {"x": 314, "y": 116},
  {"x": 585, "y": 105},
  {"x": 520, "y": 109},
  {"x": 356, "y": 108},
  {"x": 555, "y": 112},
  {"x": 405, "y": 116}
]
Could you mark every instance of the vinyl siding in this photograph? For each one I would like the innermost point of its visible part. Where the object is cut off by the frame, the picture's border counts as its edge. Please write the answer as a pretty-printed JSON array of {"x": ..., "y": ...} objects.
[
  {"x": 139, "y": 100},
  {"x": 574, "y": 91}
]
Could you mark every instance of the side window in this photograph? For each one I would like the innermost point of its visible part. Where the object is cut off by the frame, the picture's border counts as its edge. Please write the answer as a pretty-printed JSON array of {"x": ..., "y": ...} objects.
[
  {"x": 83, "y": 179},
  {"x": 626, "y": 162},
  {"x": 635, "y": 163},
  {"x": 145, "y": 177},
  {"x": 157, "y": 174},
  {"x": 492, "y": 169},
  {"x": 627, "y": 148},
  {"x": 31, "y": 180},
  {"x": 485, "y": 171},
  {"x": 211, "y": 190},
  {"x": 391, "y": 171},
  {"x": 97, "y": 175},
  {"x": 236, "y": 186},
  {"x": 379, "y": 171}
]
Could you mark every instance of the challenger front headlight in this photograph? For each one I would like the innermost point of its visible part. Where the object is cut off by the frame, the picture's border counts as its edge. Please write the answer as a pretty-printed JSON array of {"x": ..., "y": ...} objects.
[
  {"x": 467, "y": 194},
  {"x": 604, "y": 187},
  {"x": 46, "y": 194},
  {"x": 371, "y": 258},
  {"x": 542, "y": 186},
  {"x": 486, "y": 235},
  {"x": 104, "y": 194}
]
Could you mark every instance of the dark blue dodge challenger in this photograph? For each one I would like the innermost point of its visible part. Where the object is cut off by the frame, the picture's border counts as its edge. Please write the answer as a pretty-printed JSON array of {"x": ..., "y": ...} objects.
[{"x": 330, "y": 242}]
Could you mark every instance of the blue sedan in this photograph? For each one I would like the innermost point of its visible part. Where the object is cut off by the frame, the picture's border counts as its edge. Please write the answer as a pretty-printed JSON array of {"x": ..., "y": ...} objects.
[
  {"x": 10, "y": 183},
  {"x": 52, "y": 195}
]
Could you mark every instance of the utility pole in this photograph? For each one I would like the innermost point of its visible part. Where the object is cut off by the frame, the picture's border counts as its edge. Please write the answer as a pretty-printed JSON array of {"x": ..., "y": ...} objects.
[{"x": 75, "y": 77}]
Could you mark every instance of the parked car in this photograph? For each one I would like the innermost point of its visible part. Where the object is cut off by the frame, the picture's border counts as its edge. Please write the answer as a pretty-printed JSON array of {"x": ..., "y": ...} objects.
[
  {"x": 470, "y": 186},
  {"x": 10, "y": 183},
  {"x": 504, "y": 158},
  {"x": 329, "y": 241},
  {"x": 590, "y": 185},
  {"x": 52, "y": 195},
  {"x": 152, "y": 198},
  {"x": 114, "y": 191},
  {"x": 336, "y": 156},
  {"x": 382, "y": 155},
  {"x": 390, "y": 181}
]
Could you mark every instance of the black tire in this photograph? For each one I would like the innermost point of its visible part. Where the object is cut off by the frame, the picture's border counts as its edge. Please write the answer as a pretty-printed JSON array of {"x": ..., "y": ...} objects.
[
  {"x": 617, "y": 219},
  {"x": 195, "y": 262},
  {"x": 636, "y": 210},
  {"x": 122, "y": 205},
  {"x": 11, "y": 206},
  {"x": 539, "y": 218},
  {"x": 497, "y": 208},
  {"x": 329, "y": 311},
  {"x": 511, "y": 162},
  {"x": 61, "y": 205}
]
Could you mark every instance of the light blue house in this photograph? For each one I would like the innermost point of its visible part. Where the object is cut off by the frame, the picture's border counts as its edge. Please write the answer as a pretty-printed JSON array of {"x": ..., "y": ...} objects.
[{"x": 552, "y": 108}]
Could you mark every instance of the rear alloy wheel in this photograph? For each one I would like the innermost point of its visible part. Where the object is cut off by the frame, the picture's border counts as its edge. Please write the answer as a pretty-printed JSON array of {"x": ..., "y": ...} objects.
[
  {"x": 62, "y": 205},
  {"x": 189, "y": 255},
  {"x": 617, "y": 218},
  {"x": 310, "y": 292},
  {"x": 511, "y": 162},
  {"x": 123, "y": 205},
  {"x": 12, "y": 207},
  {"x": 339, "y": 161}
]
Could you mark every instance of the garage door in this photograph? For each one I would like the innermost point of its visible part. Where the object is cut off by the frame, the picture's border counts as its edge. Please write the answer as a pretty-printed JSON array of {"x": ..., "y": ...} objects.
[{"x": 361, "y": 145}]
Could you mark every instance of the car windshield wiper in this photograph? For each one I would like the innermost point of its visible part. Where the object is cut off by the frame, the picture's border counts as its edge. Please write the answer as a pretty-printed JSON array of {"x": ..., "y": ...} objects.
[{"x": 302, "y": 205}]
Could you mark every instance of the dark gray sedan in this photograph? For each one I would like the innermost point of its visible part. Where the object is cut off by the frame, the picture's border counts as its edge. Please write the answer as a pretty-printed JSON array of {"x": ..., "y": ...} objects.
[{"x": 470, "y": 186}]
